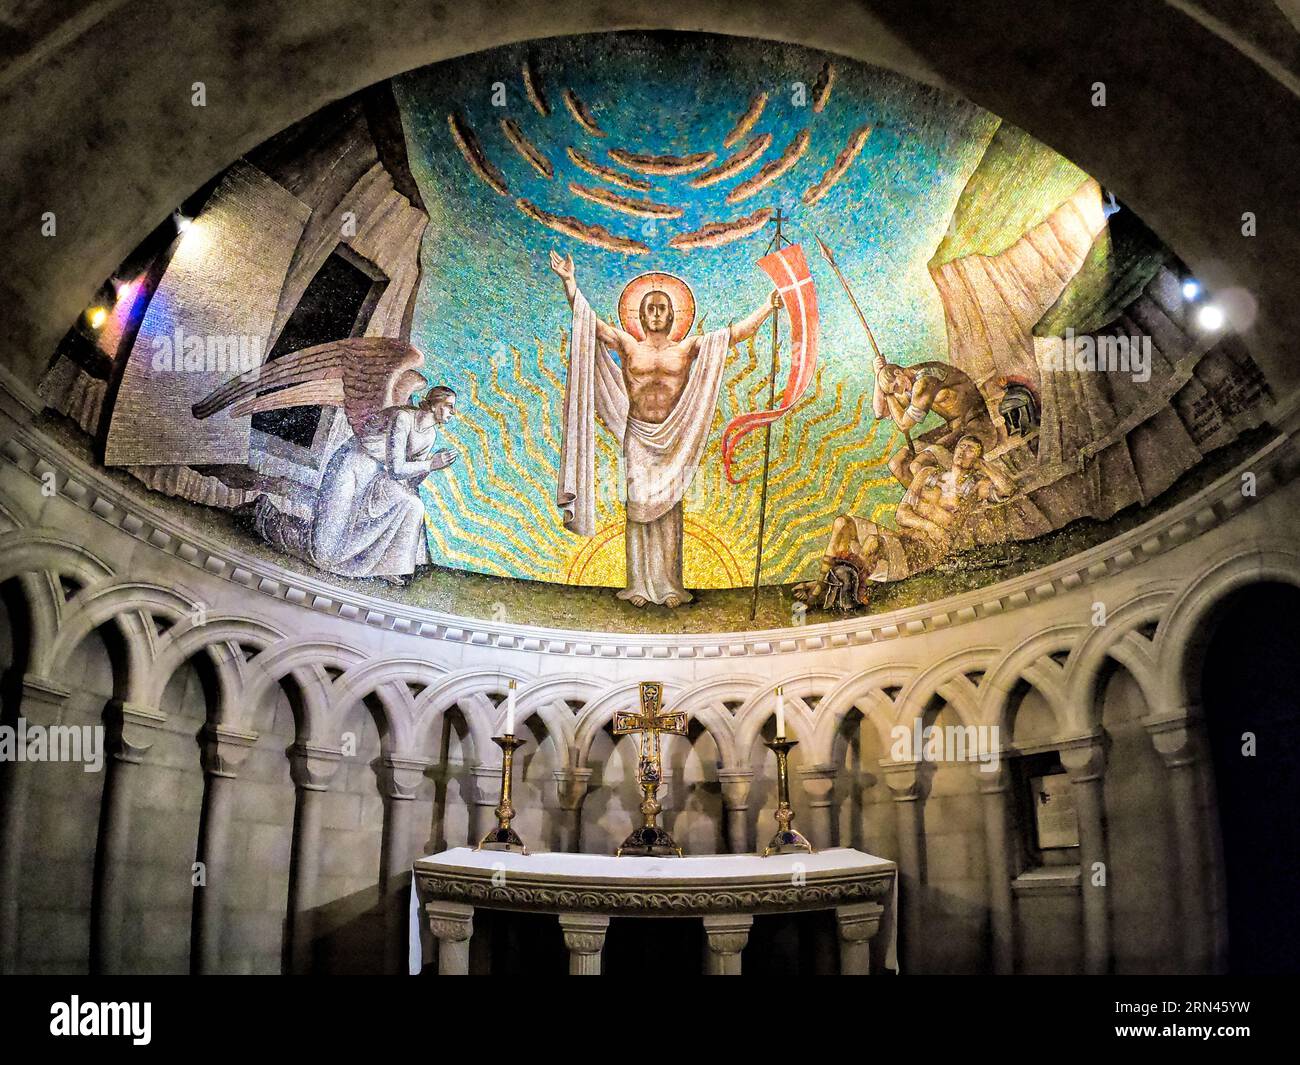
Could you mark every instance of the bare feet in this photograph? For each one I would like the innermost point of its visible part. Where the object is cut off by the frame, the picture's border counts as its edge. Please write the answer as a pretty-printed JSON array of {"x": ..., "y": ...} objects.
[
  {"x": 637, "y": 600},
  {"x": 672, "y": 602}
]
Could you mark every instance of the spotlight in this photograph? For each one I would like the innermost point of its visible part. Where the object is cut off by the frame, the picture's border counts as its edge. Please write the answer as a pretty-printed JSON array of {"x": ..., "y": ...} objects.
[
  {"x": 96, "y": 316},
  {"x": 1210, "y": 317},
  {"x": 183, "y": 223},
  {"x": 1191, "y": 288},
  {"x": 126, "y": 290}
]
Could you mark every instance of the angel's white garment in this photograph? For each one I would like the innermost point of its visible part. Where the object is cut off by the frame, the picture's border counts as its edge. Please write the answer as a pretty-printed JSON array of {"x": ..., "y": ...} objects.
[
  {"x": 369, "y": 519},
  {"x": 659, "y": 459}
]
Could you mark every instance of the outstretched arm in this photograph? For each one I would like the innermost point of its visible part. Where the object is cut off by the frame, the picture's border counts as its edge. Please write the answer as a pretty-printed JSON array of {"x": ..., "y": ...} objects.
[
  {"x": 748, "y": 326},
  {"x": 605, "y": 333}
]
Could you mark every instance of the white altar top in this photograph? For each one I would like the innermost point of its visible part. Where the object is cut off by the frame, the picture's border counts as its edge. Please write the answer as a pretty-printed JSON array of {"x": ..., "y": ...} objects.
[{"x": 712, "y": 887}]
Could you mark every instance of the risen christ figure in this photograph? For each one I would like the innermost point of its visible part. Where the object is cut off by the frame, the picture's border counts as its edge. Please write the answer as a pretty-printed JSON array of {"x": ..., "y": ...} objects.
[{"x": 659, "y": 400}]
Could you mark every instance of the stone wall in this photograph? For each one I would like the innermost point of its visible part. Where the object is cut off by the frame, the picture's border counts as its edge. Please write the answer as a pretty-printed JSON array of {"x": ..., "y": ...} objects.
[{"x": 306, "y": 745}]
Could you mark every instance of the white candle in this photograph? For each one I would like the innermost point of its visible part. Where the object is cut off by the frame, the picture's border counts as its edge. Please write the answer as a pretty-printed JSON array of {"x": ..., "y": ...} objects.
[
  {"x": 510, "y": 710},
  {"x": 780, "y": 714}
]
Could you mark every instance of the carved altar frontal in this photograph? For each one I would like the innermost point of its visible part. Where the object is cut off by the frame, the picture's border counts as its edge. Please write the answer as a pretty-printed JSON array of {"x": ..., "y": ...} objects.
[{"x": 726, "y": 891}]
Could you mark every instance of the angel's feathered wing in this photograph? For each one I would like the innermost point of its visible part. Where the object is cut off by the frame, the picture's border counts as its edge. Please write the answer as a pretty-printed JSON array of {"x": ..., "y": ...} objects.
[{"x": 363, "y": 375}]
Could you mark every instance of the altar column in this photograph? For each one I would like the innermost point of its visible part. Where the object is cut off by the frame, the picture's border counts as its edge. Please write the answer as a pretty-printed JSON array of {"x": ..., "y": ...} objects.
[
  {"x": 312, "y": 767},
  {"x": 858, "y": 925},
  {"x": 571, "y": 787},
  {"x": 1178, "y": 743},
  {"x": 42, "y": 703},
  {"x": 904, "y": 781},
  {"x": 736, "y": 785},
  {"x": 131, "y": 732},
  {"x": 584, "y": 935},
  {"x": 485, "y": 793},
  {"x": 727, "y": 935},
  {"x": 452, "y": 924},
  {"x": 994, "y": 791},
  {"x": 224, "y": 750},
  {"x": 1085, "y": 761},
  {"x": 818, "y": 789},
  {"x": 402, "y": 777}
]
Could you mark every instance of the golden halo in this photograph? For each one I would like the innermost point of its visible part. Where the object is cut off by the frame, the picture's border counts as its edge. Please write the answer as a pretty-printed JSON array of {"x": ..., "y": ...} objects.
[{"x": 679, "y": 292}]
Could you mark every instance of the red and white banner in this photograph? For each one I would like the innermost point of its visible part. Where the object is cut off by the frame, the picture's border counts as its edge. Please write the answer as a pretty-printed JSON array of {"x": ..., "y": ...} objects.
[{"x": 788, "y": 270}]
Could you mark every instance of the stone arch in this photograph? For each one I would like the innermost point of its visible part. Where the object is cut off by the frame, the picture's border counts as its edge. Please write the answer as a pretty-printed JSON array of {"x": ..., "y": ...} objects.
[
  {"x": 215, "y": 637},
  {"x": 947, "y": 678},
  {"x": 1030, "y": 661},
  {"x": 626, "y": 695},
  {"x": 852, "y": 692},
  {"x": 1118, "y": 640},
  {"x": 1183, "y": 635},
  {"x": 761, "y": 704},
  {"x": 305, "y": 659}
]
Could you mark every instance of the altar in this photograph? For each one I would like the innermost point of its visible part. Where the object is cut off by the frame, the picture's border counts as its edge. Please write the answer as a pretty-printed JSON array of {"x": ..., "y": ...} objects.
[{"x": 725, "y": 892}]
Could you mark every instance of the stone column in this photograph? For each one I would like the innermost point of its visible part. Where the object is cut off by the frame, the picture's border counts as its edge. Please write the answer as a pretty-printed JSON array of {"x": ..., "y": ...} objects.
[
  {"x": 736, "y": 784},
  {"x": 584, "y": 935},
  {"x": 727, "y": 935},
  {"x": 42, "y": 703},
  {"x": 1178, "y": 743},
  {"x": 485, "y": 791},
  {"x": 1085, "y": 761},
  {"x": 995, "y": 793},
  {"x": 858, "y": 925},
  {"x": 451, "y": 924},
  {"x": 312, "y": 766},
  {"x": 224, "y": 750},
  {"x": 904, "y": 782},
  {"x": 818, "y": 790},
  {"x": 571, "y": 787},
  {"x": 131, "y": 732},
  {"x": 402, "y": 777}
]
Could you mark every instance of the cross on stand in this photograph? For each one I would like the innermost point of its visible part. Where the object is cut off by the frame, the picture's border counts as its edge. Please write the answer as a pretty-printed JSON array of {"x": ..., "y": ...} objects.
[{"x": 651, "y": 722}]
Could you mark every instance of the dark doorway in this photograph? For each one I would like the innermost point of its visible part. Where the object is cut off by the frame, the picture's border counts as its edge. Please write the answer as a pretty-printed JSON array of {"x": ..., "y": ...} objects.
[
  {"x": 337, "y": 303},
  {"x": 1247, "y": 687}
]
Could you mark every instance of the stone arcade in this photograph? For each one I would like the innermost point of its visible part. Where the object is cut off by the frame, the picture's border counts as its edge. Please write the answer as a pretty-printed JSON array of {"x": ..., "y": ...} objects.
[{"x": 1022, "y": 690}]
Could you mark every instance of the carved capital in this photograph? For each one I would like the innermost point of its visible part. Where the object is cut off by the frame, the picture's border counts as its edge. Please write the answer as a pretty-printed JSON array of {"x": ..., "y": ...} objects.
[
  {"x": 860, "y": 922},
  {"x": 1176, "y": 740},
  {"x": 736, "y": 784},
  {"x": 132, "y": 729},
  {"x": 42, "y": 700},
  {"x": 450, "y": 922},
  {"x": 818, "y": 783},
  {"x": 225, "y": 748},
  {"x": 727, "y": 933},
  {"x": 571, "y": 786},
  {"x": 313, "y": 765},
  {"x": 903, "y": 779},
  {"x": 403, "y": 775},
  {"x": 485, "y": 784},
  {"x": 1084, "y": 758},
  {"x": 584, "y": 933}
]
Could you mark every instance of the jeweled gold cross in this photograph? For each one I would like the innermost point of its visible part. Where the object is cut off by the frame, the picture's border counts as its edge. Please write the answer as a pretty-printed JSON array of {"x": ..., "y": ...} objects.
[{"x": 650, "y": 722}]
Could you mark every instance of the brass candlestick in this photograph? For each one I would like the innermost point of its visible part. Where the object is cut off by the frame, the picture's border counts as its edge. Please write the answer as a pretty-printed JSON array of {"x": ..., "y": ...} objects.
[
  {"x": 786, "y": 840},
  {"x": 503, "y": 837}
]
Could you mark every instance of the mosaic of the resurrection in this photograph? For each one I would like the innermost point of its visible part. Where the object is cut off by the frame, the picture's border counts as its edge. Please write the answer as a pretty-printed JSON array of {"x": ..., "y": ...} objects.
[{"x": 624, "y": 310}]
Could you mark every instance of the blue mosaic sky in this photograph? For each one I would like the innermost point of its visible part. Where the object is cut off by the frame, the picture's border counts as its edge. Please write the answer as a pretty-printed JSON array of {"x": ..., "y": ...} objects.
[{"x": 487, "y": 286}]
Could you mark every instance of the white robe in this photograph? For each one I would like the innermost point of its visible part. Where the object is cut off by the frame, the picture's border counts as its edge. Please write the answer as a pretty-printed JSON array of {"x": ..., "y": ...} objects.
[
  {"x": 660, "y": 459},
  {"x": 369, "y": 519}
]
